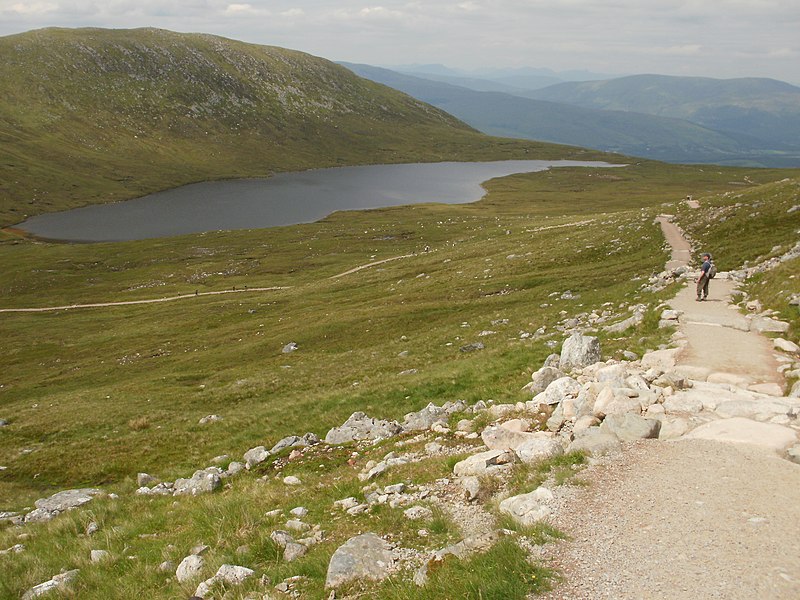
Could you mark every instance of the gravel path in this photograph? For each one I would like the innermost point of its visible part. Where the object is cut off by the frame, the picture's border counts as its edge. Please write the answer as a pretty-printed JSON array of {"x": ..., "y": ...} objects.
[{"x": 690, "y": 519}]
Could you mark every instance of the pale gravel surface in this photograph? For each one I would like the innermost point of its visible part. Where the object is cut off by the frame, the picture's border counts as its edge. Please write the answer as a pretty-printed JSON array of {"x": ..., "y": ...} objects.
[
  {"x": 687, "y": 519},
  {"x": 690, "y": 519}
]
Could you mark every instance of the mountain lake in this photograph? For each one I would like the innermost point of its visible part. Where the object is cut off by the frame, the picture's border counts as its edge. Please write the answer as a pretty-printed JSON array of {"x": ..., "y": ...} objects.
[{"x": 283, "y": 199}]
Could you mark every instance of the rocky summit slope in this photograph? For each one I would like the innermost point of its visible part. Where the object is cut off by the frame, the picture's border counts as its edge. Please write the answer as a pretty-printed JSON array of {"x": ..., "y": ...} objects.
[{"x": 93, "y": 115}]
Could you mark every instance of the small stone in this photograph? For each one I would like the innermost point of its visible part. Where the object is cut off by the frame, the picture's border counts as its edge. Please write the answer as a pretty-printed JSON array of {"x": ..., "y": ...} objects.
[
  {"x": 293, "y": 551},
  {"x": 166, "y": 567},
  {"x": 290, "y": 347},
  {"x": 189, "y": 568},
  {"x": 97, "y": 556},
  {"x": 92, "y": 528},
  {"x": 210, "y": 419},
  {"x": 143, "y": 479},
  {"x": 292, "y": 480},
  {"x": 416, "y": 513}
]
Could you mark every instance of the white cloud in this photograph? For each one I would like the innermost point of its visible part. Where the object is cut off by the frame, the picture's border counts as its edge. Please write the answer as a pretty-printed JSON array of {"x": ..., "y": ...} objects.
[
  {"x": 725, "y": 38},
  {"x": 29, "y": 8}
]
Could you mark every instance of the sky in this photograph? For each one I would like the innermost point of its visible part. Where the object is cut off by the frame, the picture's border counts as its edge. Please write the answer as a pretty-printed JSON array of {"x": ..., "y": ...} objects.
[{"x": 709, "y": 38}]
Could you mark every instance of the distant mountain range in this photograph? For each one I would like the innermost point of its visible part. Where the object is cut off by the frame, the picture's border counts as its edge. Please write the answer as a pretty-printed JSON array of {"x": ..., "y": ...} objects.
[{"x": 754, "y": 122}]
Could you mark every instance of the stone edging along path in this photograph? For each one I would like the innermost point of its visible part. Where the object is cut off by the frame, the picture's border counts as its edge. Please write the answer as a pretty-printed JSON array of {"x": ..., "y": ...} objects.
[{"x": 713, "y": 514}]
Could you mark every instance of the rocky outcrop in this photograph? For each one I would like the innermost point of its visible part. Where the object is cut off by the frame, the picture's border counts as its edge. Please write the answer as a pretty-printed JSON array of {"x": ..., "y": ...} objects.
[
  {"x": 361, "y": 427},
  {"x": 49, "y": 508}
]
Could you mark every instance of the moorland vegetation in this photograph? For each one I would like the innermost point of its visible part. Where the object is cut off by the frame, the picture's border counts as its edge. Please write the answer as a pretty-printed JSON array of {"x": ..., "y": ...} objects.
[{"x": 94, "y": 396}]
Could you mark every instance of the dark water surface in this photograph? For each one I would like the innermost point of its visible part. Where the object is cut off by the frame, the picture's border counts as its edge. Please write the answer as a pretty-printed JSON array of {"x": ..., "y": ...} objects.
[{"x": 284, "y": 199}]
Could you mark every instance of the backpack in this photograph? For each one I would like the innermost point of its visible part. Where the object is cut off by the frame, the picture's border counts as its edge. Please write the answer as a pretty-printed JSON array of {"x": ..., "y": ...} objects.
[{"x": 712, "y": 271}]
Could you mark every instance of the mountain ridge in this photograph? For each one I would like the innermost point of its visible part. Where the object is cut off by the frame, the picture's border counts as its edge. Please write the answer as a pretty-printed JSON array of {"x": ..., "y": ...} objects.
[{"x": 95, "y": 115}]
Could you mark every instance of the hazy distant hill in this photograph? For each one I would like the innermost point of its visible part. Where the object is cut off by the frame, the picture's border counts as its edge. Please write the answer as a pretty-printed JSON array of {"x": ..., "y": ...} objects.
[
  {"x": 650, "y": 136},
  {"x": 93, "y": 115},
  {"x": 765, "y": 110}
]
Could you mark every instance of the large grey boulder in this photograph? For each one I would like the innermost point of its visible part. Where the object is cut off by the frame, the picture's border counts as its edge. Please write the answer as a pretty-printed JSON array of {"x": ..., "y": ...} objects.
[
  {"x": 498, "y": 437},
  {"x": 595, "y": 442},
  {"x": 255, "y": 456},
  {"x": 634, "y": 320},
  {"x": 365, "y": 556},
  {"x": 189, "y": 568},
  {"x": 768, "y": 324},
  {"x": 613, "y": 375},
  {"x": 542, "y": 378},
  {"x": 744, "y": 431},
  {"x": 541, "y": 448},
  {"x": 629, "y": 427},
  {"x": 201, "y": 482},
  {"x": 483, "y": 463},
  {"x": 579, "y": 351},
  {"x": 556, "y": 391},
  {"x": 527, "y": 509},
  {"x": 49, "y": 508},
  {"x": 424, "y": 419},
  {"x": 228, "y": 574},
  {"x": 615, "y": 401},
  {"x": 361, "y": 427}
]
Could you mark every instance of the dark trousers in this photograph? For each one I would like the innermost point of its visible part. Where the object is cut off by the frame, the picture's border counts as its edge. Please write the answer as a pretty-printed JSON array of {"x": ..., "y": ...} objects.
[{"x": 702, "y": 287}]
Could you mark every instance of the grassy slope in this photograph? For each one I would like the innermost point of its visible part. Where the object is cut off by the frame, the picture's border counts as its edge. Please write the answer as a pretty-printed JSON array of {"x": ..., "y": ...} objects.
[
  {"x": 98, "y": 395},
  {"x": 94, "y": 115}
]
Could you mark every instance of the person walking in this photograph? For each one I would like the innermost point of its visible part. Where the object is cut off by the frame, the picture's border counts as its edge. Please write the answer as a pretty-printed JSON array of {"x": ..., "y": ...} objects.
[{"x": 705, "y": 277}]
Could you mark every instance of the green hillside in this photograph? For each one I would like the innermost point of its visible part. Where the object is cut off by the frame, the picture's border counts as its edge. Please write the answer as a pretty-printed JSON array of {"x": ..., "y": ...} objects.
[
  {"x": 764, "y": 110},
  {"x": 94, "y": 115},
  {"x": 665, "y": 138}
]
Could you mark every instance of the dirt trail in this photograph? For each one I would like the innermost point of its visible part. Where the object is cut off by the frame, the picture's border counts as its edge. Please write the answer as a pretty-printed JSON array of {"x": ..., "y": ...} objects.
[
  {"x": 690, "y": 519},
  {"x": 243, "y": 290}
]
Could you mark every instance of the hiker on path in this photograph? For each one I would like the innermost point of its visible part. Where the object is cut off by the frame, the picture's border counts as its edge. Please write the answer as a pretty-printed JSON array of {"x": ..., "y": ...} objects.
[{"x": 705, "y": 277}]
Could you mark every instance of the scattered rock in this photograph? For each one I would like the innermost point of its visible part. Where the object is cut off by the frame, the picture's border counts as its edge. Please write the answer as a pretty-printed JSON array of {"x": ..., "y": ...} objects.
[
  {"x": 49, "y": 508},
  {"x": 629, "y": 427},
  {"x": 527, "y": 509},
  {"x": 203, "y": 481},
  {"x": 416, "y": 513},
  {"x": 361, "y": 427},
  {"x": 746, "y": 431},
  {"x": 365, "y": 556},
  {"x": 484, "y": 463},
  {"x": 228, "y": 574},
  {"x": 579, "y": 351},
  {"x": 472, "y": 347},
  {"x": 61, "y": 582},
  {"x": 143, "y": 479},
  {"x": 786, "y": 346},
  {"x": 543, "y": 378},
  {"x": 290, "y": 347},
  {"x": 189, "y": 568},
  {"x": 595, "y": 442},
  {"x": 210, "y": 419},
  {"x": 97, "y": 556},
  {"x": 255, "y": 456}
]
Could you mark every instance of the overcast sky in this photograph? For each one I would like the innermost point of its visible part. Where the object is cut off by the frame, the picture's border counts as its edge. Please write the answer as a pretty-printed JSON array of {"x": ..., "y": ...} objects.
[{"x": 714, "y": 38}]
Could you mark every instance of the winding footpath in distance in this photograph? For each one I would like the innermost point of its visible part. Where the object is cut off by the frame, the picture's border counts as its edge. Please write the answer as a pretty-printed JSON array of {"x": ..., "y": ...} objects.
[
  {"x": 242, "y": 290},
  {"x": 693, "y": 518}
]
